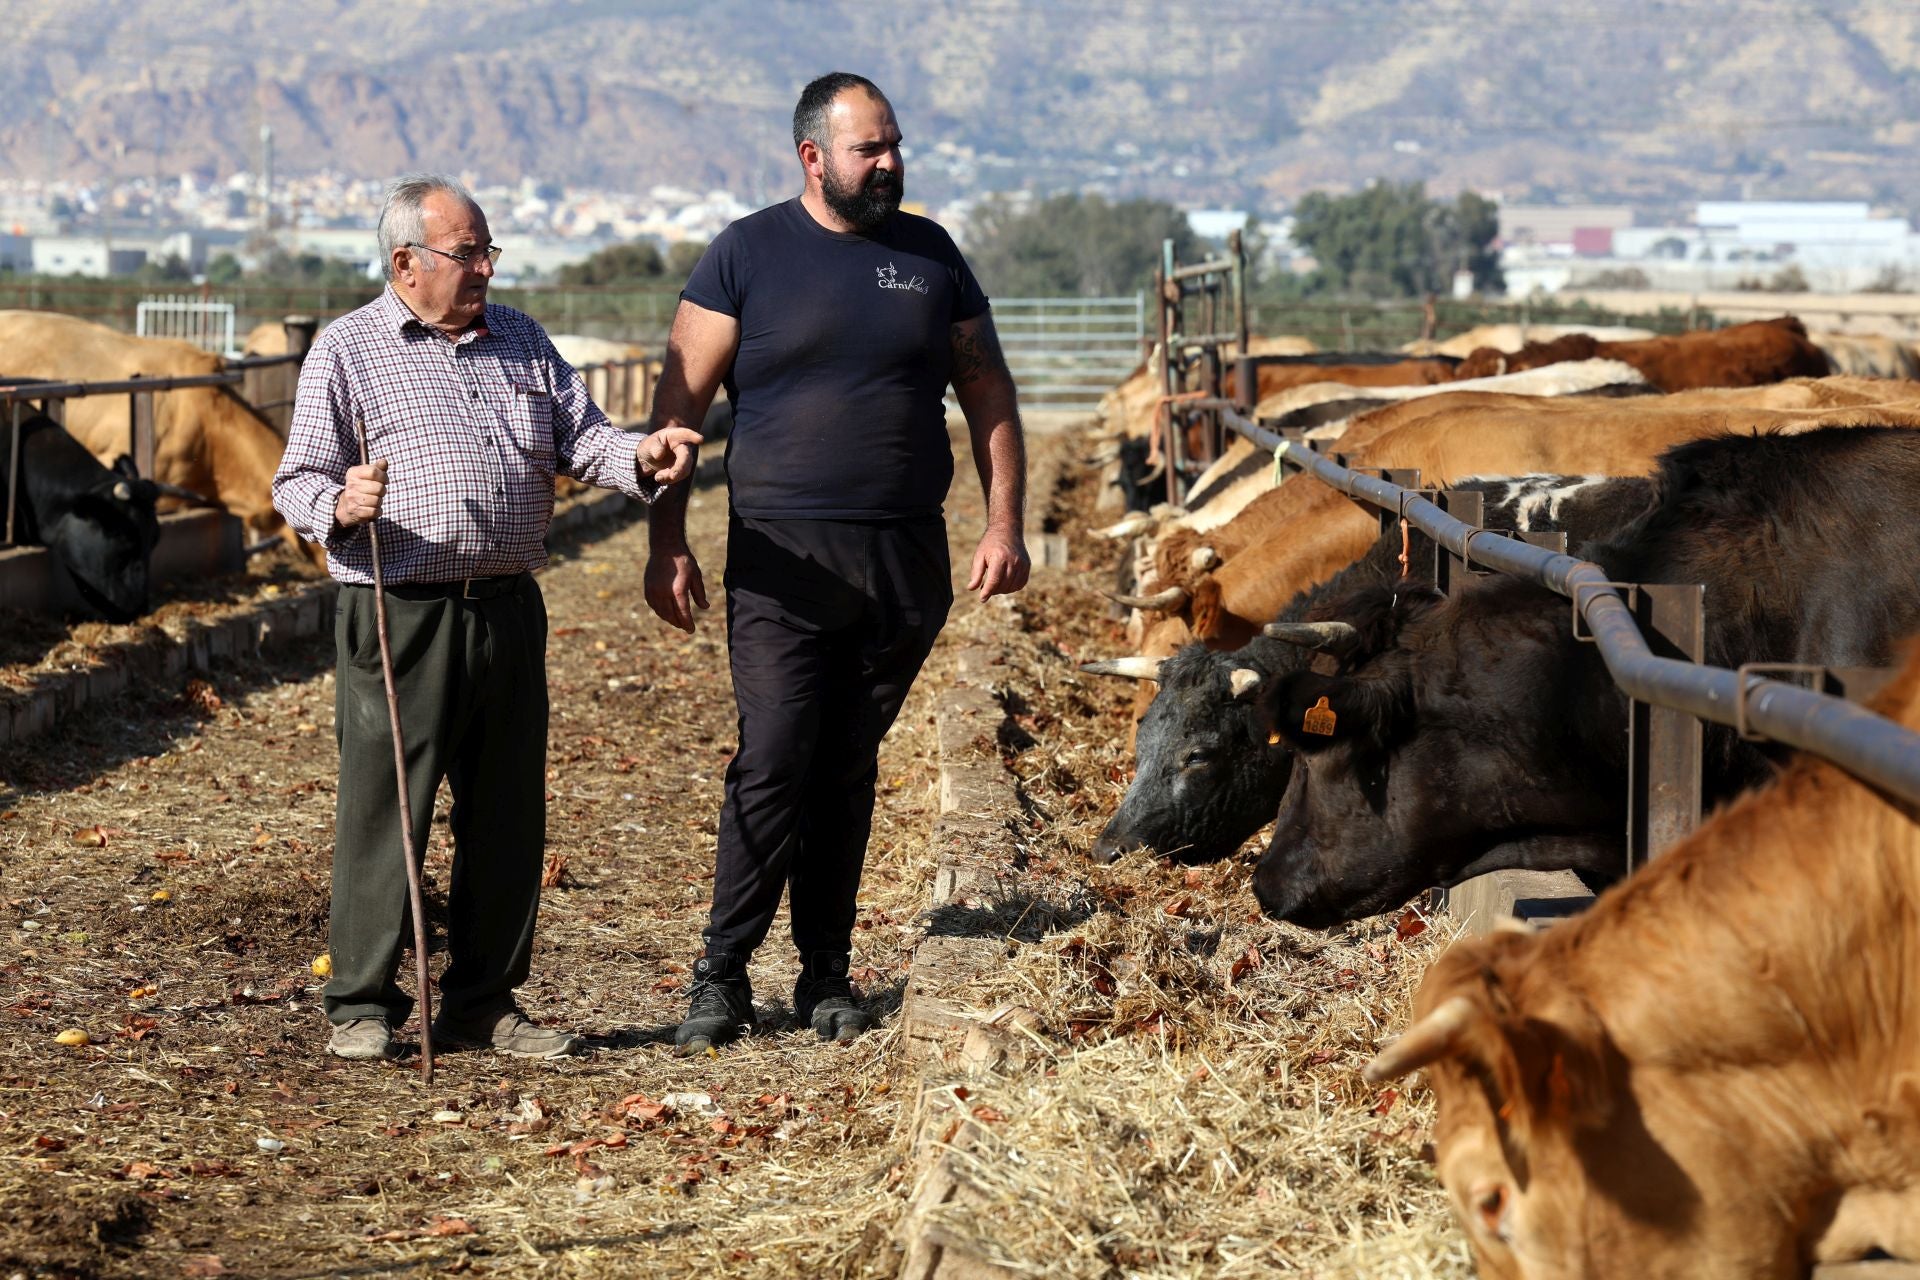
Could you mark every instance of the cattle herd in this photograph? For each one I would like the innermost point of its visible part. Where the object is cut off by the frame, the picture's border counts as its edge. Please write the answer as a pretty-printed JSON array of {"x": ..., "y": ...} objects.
[{"x": 1712, "y": 1071}]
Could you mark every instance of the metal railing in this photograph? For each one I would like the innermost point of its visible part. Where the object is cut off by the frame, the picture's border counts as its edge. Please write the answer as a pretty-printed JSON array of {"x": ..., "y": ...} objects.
[
  {"x": 1065, "y": 353},
  {"x": 1191, "y": 376},
  {"x": 1866, "y": 745},
  {"x": 265, "y": 382},
  {"x": 204, "y": 323}
]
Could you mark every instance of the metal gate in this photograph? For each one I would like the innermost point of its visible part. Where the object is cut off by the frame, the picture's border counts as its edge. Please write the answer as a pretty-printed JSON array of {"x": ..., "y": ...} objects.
[
  {"x": 207, "y": 325},
  {"x": 1065, "y": 353}
]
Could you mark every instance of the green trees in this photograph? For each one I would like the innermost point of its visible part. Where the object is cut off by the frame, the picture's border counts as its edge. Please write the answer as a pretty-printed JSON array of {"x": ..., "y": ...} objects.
[
  {"x": 1390, "y": 240},
  {"x": 1073, "y": 245},
  {"x": 616, "y": 264}
]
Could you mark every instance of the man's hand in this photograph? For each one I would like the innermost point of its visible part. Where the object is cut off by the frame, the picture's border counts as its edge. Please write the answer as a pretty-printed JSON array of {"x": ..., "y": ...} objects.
[
  {"x": 359, "y": 502},
  {"x": 666, "y": 455},
  {"x": 1000, "y": 564},
  {"x": 674, "y": 586}
]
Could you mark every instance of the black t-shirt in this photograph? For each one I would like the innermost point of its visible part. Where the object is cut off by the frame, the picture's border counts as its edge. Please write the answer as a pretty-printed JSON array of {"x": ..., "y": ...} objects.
[{"x": 843, "y": 360}]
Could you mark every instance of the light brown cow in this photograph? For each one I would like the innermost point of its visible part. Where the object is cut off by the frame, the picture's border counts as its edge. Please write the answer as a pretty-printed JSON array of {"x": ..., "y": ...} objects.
[
  {"x": 1712, "y": 1074},
  {"x": 1301, "y": 533},
  {"x": 206, "y": 439}
]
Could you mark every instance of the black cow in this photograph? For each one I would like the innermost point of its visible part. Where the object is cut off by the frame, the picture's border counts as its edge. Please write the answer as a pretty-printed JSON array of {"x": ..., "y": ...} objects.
[
  {"x": 1473, "y": 733},
  {"x": 1206, "y": 776},
  {"x": 98, "y": 522}
]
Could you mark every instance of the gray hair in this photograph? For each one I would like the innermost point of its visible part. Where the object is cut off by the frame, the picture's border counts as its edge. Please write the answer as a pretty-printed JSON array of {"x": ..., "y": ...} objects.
[{"x": 400, "y": 218}]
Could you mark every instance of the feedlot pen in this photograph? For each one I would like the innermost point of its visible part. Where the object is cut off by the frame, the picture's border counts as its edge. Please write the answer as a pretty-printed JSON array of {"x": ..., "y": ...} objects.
[{"x": 1190, "y": 1103}]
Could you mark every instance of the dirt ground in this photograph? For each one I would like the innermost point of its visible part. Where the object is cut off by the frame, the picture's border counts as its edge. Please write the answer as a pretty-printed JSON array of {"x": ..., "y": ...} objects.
[{"x": 163, "y": 869}]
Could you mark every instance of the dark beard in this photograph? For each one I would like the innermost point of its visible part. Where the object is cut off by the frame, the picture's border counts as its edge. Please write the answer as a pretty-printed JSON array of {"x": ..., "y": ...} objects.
[{"x": 864, "y": 208}]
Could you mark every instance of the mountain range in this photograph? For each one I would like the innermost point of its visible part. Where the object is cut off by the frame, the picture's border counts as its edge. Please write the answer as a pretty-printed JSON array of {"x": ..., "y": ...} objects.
[{"x": 1230, "y": 104}]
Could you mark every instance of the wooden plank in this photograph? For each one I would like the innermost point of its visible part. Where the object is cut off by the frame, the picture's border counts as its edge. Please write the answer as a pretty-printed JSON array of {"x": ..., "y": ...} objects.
[{"x": 1534, "y": 896}]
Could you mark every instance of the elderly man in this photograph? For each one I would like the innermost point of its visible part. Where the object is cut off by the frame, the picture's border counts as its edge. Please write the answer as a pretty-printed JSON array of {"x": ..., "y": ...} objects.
[
  {"x": 836, "y": 322},
  {"x": 469, "y": 413}
]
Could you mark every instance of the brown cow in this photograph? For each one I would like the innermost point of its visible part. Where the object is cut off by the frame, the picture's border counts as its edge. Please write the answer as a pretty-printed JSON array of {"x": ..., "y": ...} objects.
[
  {"x": 1742, "y": 355},
  {"x": 1407, "y": 371},
  {"x": 1301, "y": 533},
  {"x": 1712, "y": 1074},
  {"x": 206, "y": 439}
]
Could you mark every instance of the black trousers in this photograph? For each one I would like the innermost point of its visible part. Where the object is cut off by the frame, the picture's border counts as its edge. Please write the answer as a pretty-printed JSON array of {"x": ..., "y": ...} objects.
[
  {"x": 828, "y": 622},
  {"x": 471, "y": 675}
]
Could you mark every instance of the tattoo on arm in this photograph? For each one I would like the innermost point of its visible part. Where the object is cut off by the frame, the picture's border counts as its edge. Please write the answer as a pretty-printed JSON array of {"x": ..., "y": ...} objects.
[{"x": 976, "y": 351}]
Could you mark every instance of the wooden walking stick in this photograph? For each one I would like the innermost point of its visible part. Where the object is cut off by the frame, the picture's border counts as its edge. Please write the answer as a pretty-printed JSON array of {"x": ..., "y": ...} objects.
[{"x": 414, "y": 896}]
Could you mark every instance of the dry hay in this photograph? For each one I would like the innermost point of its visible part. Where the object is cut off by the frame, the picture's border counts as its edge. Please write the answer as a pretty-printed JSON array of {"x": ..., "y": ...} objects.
[{"x": 1196, "y": 1108}]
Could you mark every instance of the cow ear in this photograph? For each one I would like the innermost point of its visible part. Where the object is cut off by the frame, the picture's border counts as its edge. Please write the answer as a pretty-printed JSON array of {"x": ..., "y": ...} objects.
[
  {"x": 1310, "y": 712},
  {"x": 1562, "y": 1063},
  {"x": 123, "y": 465},
  {"x": 1307, "y": 711}
]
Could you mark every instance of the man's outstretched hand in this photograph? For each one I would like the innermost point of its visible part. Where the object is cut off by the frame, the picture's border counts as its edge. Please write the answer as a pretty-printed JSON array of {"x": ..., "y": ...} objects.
[{"x": 666, "y": 455}]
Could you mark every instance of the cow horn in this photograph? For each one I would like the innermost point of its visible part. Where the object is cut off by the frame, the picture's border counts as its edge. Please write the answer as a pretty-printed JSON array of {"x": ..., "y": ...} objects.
[
  {"x": 1100, "y": 459},
  {"x": 185, "y": 495},
  {"x": 123, "y": 492},
  {"x": 1201, "y": 559},
  {"x": 1329, "y": 637},
  {"x": 1428, "y": 1040},
  {"x": 1132, "y": 668},
  {"x": 1243, "y": 681},
  {"x": 1160, "y": 601},
  {"x": 1138, "y": 522}
]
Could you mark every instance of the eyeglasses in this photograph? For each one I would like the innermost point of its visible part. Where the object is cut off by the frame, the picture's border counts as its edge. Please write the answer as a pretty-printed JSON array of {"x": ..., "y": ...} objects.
[{"x": 493, "y": 252}]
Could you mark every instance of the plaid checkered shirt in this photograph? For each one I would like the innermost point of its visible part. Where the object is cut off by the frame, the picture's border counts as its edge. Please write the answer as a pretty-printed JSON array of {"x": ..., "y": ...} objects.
[{"x": 473, "y": 429}]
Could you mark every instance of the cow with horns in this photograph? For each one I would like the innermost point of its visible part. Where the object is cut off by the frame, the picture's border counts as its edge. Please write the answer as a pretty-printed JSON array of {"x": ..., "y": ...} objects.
[
  {"x": 1443, "y": 738},
  {"x": 1207, "y": 773}
]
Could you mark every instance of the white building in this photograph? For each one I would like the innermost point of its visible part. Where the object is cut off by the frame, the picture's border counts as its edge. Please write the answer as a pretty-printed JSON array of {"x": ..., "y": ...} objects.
[{"x": 84, "y": 256}]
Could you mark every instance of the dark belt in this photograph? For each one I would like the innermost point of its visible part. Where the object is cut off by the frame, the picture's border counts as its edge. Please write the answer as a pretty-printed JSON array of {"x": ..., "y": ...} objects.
[{"x": 460, "y": 589}]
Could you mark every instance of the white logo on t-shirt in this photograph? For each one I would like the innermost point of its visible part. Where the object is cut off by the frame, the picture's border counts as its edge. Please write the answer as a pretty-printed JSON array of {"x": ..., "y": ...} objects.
[{"x": 890, "y": 279}]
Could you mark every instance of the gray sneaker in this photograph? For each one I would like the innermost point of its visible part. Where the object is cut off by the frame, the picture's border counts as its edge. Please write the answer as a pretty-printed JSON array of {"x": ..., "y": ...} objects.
[
  {"x": 363, "y": 1038},
  {"x": 508, "y": 1031}
]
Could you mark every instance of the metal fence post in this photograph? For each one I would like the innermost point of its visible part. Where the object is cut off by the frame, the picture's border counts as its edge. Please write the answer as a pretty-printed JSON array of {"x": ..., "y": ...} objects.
[
  {"x": 13, "y": 466},
  {"x": 1664, "y": 745},
  {"x": 140, "y": 431},
  {"x": 1468, "y": 506}
]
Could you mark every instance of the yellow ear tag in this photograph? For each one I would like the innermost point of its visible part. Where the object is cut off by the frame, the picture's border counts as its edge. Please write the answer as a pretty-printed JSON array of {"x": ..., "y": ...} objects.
[
  {"x": 1319, "y": 719},
  {"x": 1272, "y": 738}
]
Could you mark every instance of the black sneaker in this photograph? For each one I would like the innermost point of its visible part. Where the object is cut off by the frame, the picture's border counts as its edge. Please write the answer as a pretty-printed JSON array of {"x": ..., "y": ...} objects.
[
  {"x": 719, "y": 1005},
  {"x": 824, "y": 999}
]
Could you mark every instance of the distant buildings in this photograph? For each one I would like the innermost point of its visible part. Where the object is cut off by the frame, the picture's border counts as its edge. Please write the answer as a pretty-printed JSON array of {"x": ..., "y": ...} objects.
[{"x": 1830, "y": 246}]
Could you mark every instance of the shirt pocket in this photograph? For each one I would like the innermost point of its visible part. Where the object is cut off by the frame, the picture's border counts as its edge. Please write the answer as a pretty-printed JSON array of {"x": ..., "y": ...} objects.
[{"x": 530, "y": 419}]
